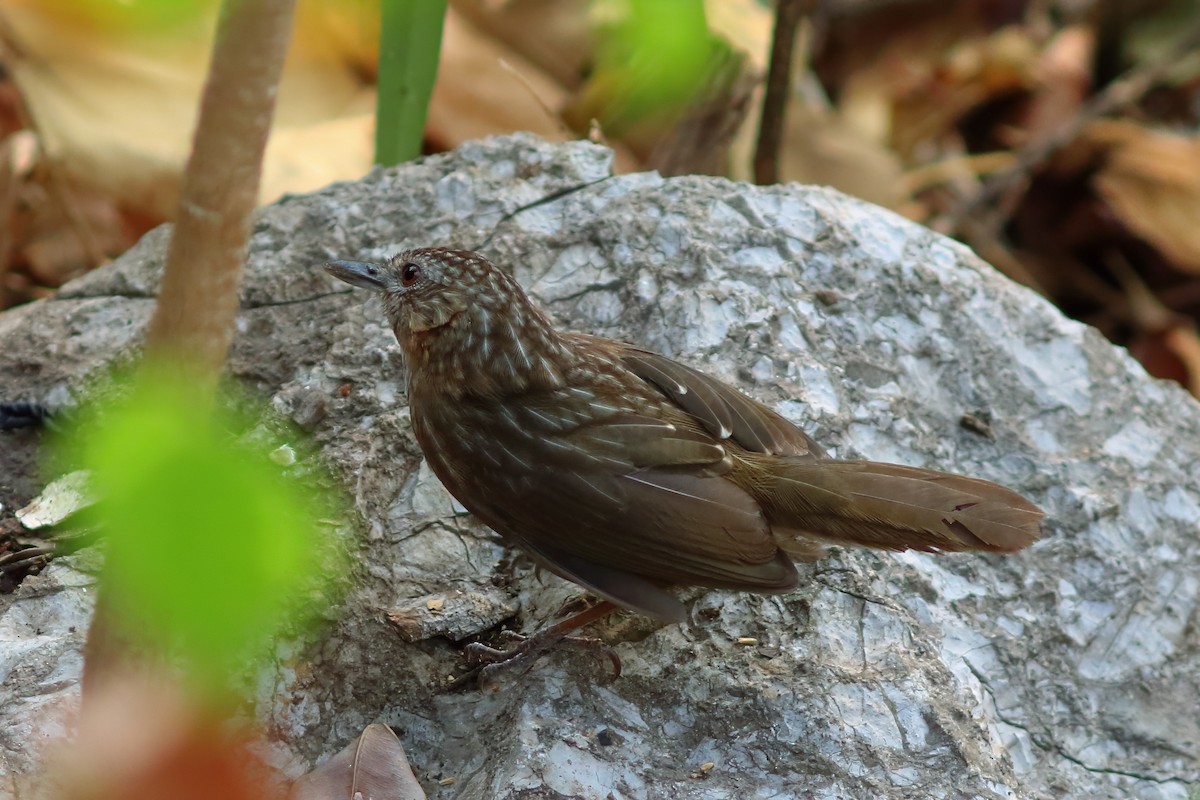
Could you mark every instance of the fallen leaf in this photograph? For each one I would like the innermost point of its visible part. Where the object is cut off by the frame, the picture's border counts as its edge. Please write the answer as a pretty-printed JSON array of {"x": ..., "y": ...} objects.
[
  {"x": 1151, "y": 180},
  {"x": 485, "y": 88},
  {"x": 115, "y": 108},
  {"x": 372, "y": 766}
]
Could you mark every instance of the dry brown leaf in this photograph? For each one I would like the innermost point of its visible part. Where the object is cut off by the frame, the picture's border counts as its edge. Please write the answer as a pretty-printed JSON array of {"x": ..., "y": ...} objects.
[
  {"x": 1164, "y": 341},
  {"x": 1151, "y": 179},
  {"x": 1184, "y": 342},
  {"x": 940, "y": 92},
  {"x": 114, "y": 112},
  {"x": 700, "y": 141},
  {"x": 820, "y": 148},
  {"x": 555, "y": 35},
  {"x": 333, "y": 34},
  {"x": 304, "y": 158},
  {"x": 1063, "y": 75},
  {"x": 1172, "y": 353},
  {"x": 745, "y": 24},
  {"x": 69, "y": 229},
  {"x": 705, "y": 133},
  {"x": 748, "y": 26},
  {"x": 477, "y": 94},
  {"x": 372, "y": 766},
  {"x": 894, "y": 68},
  {"x": 115, "y": 109}
]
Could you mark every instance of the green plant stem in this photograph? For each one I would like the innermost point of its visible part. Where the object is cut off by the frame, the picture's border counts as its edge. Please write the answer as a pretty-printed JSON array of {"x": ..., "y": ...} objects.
[{"x": 409, "y": 47}]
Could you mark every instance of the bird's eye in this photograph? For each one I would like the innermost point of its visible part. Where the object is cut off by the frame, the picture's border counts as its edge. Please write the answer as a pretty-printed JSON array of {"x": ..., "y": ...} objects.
[{"x": 410, "y": 274}]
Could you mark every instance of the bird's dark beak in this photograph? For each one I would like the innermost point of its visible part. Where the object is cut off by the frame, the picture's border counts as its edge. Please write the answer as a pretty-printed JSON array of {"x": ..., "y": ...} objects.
[{"x": 357, "y": 273}]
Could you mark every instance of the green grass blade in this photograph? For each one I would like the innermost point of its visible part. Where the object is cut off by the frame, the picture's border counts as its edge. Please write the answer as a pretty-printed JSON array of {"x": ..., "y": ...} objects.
[{"x": 409, "y": 47}]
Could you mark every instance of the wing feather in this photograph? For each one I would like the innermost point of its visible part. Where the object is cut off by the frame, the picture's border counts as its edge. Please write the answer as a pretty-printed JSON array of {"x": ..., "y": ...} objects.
[{"x": 724, "y": 412}]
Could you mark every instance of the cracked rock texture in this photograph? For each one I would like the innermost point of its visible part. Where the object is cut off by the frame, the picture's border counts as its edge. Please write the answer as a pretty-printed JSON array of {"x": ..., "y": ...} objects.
[{"x": 1070, "y": 670}]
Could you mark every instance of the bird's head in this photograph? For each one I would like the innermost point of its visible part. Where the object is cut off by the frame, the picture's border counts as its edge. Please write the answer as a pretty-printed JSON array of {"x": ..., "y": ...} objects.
[
  {"x": 427, "y": 288},
  {"x": 454, "y": 310}
]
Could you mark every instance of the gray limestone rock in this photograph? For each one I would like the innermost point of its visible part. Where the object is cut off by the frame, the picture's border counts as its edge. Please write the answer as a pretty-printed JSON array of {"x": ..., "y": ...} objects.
[{"x": 1070, "y": 670}]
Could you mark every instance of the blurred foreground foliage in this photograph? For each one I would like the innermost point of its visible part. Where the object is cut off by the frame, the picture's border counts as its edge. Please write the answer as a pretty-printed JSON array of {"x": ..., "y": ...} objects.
[{"x": 213, "y": 548}]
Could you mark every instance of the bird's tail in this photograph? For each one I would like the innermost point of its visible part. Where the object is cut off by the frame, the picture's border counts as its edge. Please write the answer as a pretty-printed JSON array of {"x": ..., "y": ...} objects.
[{"x": 894, "y": 507}]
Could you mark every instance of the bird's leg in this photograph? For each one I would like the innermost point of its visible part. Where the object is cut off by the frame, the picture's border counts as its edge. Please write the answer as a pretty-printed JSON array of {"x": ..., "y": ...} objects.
[{"x": 487, "y": 661}]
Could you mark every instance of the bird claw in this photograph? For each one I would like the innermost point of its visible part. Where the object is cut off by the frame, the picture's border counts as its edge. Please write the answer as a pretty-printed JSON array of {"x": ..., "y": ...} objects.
[{"x": 487, "y": 663}]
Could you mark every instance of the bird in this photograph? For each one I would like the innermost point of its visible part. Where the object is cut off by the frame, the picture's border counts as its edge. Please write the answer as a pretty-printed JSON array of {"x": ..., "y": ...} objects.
[{"x": 630, "y": 473}]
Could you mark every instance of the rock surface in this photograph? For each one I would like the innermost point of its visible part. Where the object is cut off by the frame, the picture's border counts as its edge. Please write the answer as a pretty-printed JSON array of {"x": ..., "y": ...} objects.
[{"x": 1070, "y": 670}]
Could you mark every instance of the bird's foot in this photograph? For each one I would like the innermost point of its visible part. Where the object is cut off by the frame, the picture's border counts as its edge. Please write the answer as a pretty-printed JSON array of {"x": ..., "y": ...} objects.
[{"x": 487, "y": 663}]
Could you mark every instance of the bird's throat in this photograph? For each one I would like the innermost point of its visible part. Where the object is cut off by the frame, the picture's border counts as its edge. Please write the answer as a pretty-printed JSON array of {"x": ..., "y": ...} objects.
[{"x": 480, "y": 353}]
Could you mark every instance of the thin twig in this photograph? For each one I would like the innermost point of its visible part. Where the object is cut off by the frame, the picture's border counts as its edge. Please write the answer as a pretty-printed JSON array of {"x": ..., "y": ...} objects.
[
  {"x": 1003, "y": 189},
  {"x": 18, "y": 559},
  {"x": 779, "y": 85}
]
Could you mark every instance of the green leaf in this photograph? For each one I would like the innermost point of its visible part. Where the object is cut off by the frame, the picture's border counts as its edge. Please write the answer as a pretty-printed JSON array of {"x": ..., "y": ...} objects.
[
  {"x": 657, "y": 59},
  {"x": 409, "y": 49},
  {"x": 211, "y": 549}
]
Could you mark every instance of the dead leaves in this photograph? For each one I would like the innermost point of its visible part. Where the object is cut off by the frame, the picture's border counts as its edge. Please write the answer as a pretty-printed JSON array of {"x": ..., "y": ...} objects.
[
  {"x": 1051, "y": 149},
  {"x": 1151, "y": 181}
]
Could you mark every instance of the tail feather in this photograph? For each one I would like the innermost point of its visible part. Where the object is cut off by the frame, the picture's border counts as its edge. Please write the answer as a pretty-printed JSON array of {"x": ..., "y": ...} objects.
[{"x": 896, "y": 507}]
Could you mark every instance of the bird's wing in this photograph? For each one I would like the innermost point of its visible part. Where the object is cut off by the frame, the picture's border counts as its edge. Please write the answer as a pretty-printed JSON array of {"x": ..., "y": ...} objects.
[
  {"x": 622, "y": 504},
  {"x": 724, "y": 412},
  {"x": 626, "y": 536}
]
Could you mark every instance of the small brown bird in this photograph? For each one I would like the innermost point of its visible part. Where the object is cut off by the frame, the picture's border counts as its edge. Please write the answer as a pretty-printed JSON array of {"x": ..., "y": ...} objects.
[{"x": 627, "y": 472}]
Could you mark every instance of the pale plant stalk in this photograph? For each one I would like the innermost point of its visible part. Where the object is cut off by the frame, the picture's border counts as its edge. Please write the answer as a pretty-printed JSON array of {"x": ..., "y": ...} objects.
[{"x": 193, "y": 322}]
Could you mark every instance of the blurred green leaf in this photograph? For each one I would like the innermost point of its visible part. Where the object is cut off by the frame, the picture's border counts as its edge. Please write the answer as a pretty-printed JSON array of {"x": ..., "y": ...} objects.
[
  {"x": 211, "y": 549},
  {"x": 136, "y": 15},
  {"x": 655, "y": 60}
]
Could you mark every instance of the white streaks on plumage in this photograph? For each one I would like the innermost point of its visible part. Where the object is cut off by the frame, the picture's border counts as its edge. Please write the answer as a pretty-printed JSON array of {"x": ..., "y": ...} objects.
[
  {"x": 637, "y": 478},
  {"x": 506, "y": 412},
  {"x": 548, "y": 371},
  {"x": 594, "y": 485},
  {"x": 646, "y": 479},
  {"x": 427, "y": 434},
  {"x": 655, "y": 426},
  {"x": 508, "y": 370},
  {"x": 488, "y": 455},
  {"x": 516, "y": 316},
  {"x": 552, "y": 424},
  {"x": 555, "y": 443},
  {"x": 517, "y": 342},
  {"x": 514, "y": 456},
  {"x": 617, "y": 434},
  {"x": 601, "y": 407}
]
